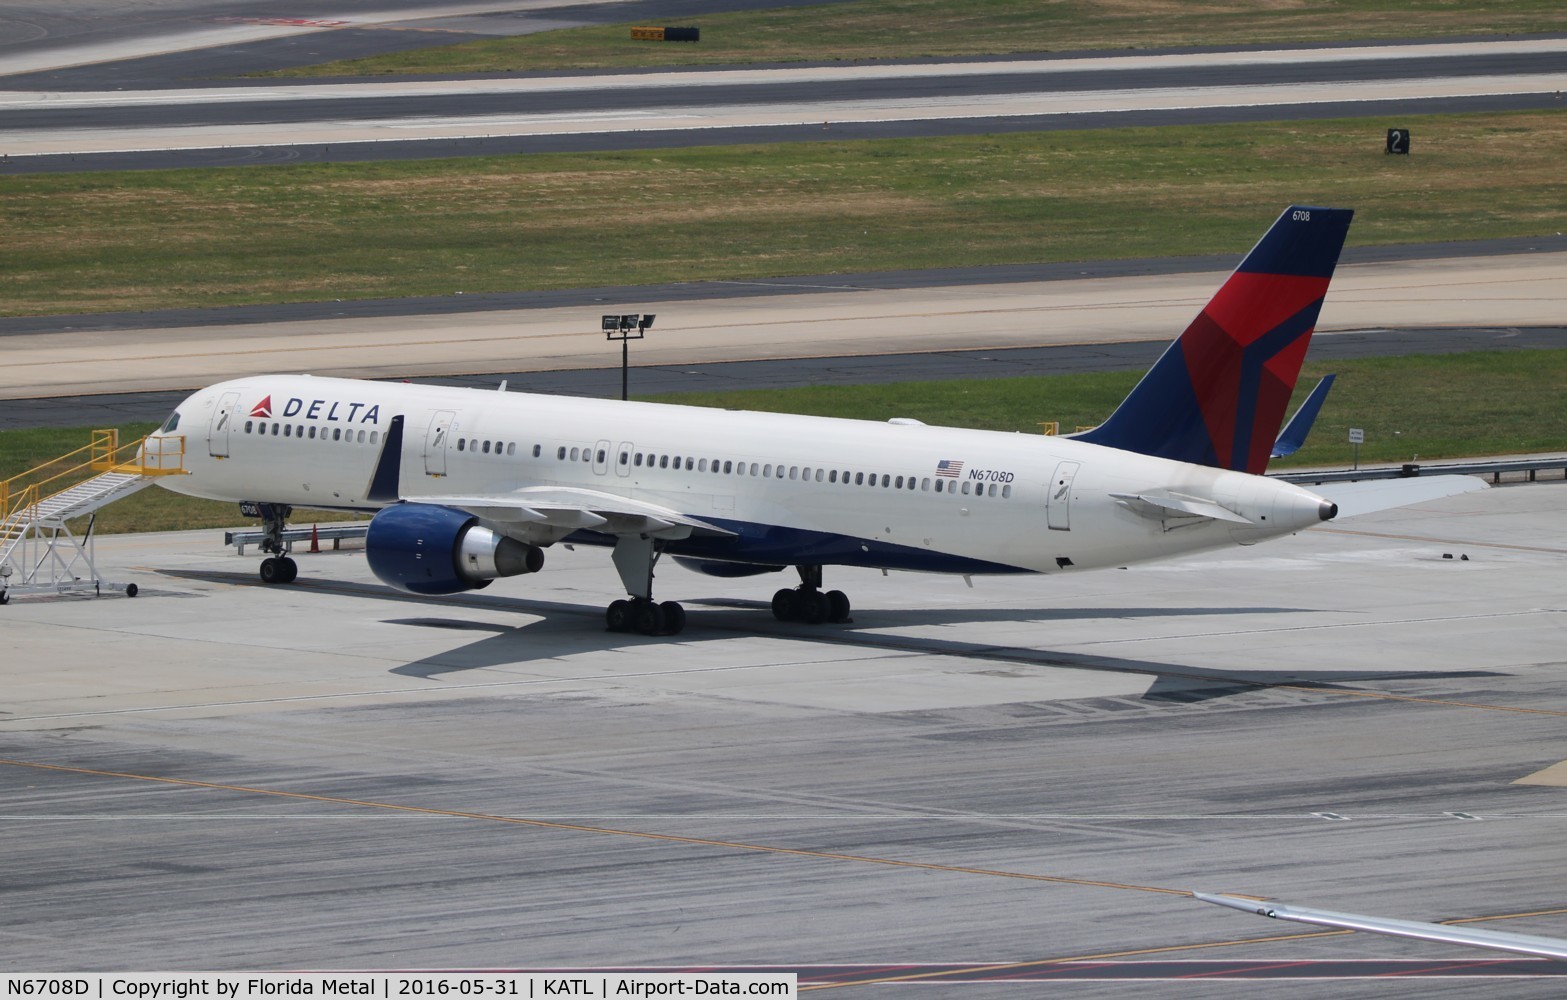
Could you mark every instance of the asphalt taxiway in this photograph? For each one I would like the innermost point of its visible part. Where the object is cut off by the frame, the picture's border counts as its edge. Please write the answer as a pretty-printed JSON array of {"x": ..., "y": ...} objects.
[{"x": 1364, "y": 717}]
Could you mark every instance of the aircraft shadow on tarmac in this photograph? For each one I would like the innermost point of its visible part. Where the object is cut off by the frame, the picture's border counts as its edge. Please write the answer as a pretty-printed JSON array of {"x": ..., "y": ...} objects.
[{"x": 564, "y": 629}]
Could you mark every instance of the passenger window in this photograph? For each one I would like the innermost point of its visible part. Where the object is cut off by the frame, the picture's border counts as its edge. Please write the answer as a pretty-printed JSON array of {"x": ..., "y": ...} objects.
[
  {"x": 925, "y": 484},
  {"x": 767, "y": 471},
  {"x": 587, "y": 454},
  {"x": 663, "y": 462},
  {"x": 247, "y": 425},
  {"x": 538, "y": 450},
  {"x": 560, "y": 453},
  {"x": 701, "y": 466},
  {"x": 753, "y": 468},
  {"x": 337, "y": 433},
  {"x": 899, "y": 483},
  {"x": 602, "y": 455},
  {"x": 832, "y": 477},
  {"x": 462, "y": 444},
  {"x": 938, "y": 486},
  {"x": 886, "y": 480},
  {"x": 1006, "y": 492},
  {"x": 794, "y": 472},
  {"x": 859, "y": 479},
  {"x": 728, "y": 467},
  {"x": 374, "y": 435},
  {"x": 511, "y": 448},
  {"x": 361, "y": 437},
  {"x": 574, "y": 454},
  {"x": 965, "y": 487},
  {"x": 818, "y": 475}
]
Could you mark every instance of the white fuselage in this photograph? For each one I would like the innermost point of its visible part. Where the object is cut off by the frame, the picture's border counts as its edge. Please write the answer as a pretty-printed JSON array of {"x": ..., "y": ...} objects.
[{"x": 794, "y": 489}]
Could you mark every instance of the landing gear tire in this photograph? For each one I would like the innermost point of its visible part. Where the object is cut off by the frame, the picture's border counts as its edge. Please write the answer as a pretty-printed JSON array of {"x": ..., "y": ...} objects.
[
  {"x": 812, "y": 607},
  {"x": 649, "y": 618},
  {"x": 279, "y": 569},
  {"x": 618, "y": 616},
  {"x": 785, "y": 606},
  {"x": 131, "y": 590},
  {"x": 837, "y": 606},
  {"x": 645, "y": 616},
  {"x": 674, "y": 617}
]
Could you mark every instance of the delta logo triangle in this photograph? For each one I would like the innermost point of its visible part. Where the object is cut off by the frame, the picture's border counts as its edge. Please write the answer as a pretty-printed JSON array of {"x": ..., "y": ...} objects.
[{"x": 263, "y": 408}]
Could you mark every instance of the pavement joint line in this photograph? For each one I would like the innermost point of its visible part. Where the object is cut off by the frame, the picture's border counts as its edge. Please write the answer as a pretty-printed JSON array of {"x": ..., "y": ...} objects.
[
  {"x": 1104, "y": 956},
  {"x": 1379, "y": 623},
  {"x": 1101, "y": 956},
  {"x": 585, "y": 828},
  {"x": 1456, "y": 542}
]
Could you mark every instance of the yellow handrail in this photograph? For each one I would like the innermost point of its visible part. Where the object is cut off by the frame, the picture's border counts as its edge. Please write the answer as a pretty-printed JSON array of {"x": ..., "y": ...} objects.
[{"x": 161, "y": 456}]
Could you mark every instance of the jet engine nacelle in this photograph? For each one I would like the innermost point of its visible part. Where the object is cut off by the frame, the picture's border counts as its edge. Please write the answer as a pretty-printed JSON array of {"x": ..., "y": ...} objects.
[{"x": 428, "y": 549}]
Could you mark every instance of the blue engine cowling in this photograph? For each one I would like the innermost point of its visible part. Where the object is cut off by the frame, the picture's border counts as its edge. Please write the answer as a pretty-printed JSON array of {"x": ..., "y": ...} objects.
[{"x": 427, "y": 549}]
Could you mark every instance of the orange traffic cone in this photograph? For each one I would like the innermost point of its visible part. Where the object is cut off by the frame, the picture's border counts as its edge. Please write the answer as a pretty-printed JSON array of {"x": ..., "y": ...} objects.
[{"x": 315, "y": 542}]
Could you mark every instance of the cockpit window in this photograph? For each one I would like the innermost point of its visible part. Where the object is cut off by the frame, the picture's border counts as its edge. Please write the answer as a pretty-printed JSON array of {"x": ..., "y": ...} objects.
[{"x": 171, "y": 423}]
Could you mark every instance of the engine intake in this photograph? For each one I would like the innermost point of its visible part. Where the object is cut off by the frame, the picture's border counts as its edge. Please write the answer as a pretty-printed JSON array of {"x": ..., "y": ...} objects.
[{"x": 428, "y": 549}]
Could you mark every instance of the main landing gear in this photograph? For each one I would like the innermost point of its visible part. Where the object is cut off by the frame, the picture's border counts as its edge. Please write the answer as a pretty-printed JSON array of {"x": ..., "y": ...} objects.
[
  {"x": 645, "y": 615},
  {"x": 635, "y": 556},
  {"x": 806, "y": 603},
  {"x": 278, "y": 567}
]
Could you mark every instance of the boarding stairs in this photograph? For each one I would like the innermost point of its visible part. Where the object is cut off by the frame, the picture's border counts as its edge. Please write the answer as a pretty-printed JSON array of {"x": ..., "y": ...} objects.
[{"x": 39, "y": 551}]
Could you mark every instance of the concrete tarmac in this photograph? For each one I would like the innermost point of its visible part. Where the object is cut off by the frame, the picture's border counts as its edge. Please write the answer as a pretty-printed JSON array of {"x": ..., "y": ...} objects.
[{"x": 221, "y": 775}]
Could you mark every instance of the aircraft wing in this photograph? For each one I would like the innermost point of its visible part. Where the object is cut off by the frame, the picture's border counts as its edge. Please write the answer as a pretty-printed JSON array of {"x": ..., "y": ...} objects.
[
  {"x": 1525, "y": 944},
  {"x": 1369, "y": 495},
  {"x": 565, "y": 507}
]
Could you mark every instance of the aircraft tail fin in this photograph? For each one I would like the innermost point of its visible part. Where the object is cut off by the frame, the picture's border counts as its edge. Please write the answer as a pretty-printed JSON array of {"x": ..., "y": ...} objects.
[{"x": 1217, "y": 395}]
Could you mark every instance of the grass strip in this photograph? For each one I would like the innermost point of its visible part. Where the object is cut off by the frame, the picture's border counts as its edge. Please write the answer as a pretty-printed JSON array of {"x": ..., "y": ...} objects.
[
  {"x": 1412, "y": 408},
  {"x": 139, "y": 240},
  {"x": 906, "y": 29}
]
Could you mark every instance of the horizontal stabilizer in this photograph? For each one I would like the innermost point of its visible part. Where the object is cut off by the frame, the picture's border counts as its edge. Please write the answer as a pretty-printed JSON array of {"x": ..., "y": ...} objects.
[
  {"x": 1524, "y": 944},
  {"x": 1294, "y": 434},
  {"x": 1371, "y": 495},
  {"x": 1158, "y": 507}
]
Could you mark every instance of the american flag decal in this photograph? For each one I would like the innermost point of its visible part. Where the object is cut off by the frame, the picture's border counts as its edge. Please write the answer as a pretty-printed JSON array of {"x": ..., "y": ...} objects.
[{"x": 949, "y": 469}]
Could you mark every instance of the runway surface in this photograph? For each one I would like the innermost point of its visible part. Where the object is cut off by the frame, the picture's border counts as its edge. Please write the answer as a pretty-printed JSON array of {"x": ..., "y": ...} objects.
[
  {"x": 220, "y": 775},
  {"x": 62, "y": 130}
]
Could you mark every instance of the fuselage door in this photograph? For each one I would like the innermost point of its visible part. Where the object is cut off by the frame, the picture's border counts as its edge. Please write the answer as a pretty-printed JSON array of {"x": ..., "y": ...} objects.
[
  {"x": 435, "y": 442},
  {"x": 623, "y": 459},
  {"x": 222, "y": 425},
  {"x": 1059, "y": 501},
  {"x": 601, "y": 458}
]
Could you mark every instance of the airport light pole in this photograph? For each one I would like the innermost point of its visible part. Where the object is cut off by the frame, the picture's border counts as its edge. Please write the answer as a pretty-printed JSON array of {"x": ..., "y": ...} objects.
[{"x": 620, "y": 328}]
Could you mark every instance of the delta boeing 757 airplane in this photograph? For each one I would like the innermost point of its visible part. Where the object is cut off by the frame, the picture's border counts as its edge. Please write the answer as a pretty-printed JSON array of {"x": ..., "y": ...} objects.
[{"x": 470, "y": 485}]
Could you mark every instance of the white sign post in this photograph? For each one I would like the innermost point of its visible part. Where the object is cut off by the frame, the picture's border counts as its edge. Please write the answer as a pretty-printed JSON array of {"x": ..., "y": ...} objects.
[{"x": 1357, "y": 437}]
